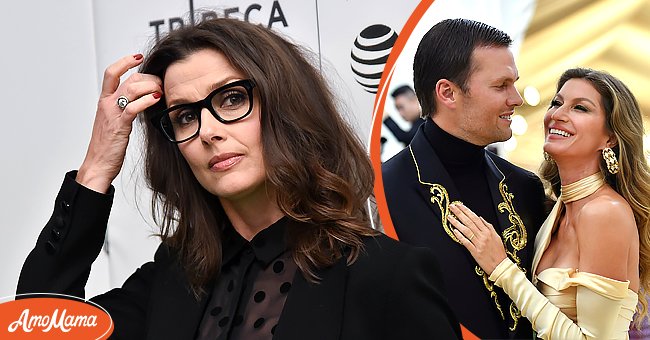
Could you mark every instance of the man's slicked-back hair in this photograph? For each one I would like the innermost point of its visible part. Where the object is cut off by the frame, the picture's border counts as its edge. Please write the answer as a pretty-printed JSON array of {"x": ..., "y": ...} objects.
[{"x": 445, "y": 52}]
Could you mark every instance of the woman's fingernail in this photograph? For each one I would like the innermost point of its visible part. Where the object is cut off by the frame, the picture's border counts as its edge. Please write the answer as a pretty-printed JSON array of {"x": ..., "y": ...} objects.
[
  {"x": 156, "y": 95},
  {"x": 137, "y": 56}
]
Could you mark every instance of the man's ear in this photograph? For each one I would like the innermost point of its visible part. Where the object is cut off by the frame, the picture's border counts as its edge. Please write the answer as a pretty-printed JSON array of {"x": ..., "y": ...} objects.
[{"x": 446, "y": 92}]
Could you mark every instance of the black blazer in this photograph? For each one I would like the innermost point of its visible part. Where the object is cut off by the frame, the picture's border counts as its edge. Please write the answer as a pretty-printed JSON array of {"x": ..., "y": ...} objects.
[
  {"x": 393, "y": 291},
  {"x": 418, "y": 221}
]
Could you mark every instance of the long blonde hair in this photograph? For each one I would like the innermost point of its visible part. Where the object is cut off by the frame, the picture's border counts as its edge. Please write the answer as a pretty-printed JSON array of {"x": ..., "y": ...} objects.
[{"x": 624, "y": 119}]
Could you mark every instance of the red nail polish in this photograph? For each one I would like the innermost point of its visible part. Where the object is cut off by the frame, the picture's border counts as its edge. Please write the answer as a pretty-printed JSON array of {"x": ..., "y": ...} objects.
[
  {"x": 137, "y": 56},
  {"x": 156, "y": 95}
]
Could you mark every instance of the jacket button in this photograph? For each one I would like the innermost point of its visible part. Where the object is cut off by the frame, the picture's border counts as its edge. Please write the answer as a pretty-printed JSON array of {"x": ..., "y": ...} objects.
[
  {"x": 65, "y": 206},
  {"x": 50, "y": 247},
  {"x": 56, "y": 235}
]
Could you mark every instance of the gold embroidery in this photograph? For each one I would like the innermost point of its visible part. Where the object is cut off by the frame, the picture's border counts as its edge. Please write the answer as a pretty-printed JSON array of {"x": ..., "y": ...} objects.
[
  {"x": 490, "y": 287},
  {"x": 514, "y": 237},
  {"x": 515, "y": 234},
  {"x": 440, "y": 197},
  {"x": 516, "y": 315}
]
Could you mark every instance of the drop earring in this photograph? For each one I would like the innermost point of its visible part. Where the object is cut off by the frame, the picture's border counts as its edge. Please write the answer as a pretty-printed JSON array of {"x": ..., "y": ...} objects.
[{"x": 610, "y": 159}]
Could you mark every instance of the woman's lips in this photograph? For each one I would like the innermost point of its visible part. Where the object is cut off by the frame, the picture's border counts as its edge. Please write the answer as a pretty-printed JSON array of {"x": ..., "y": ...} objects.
[{"x": 224, "y": 161}]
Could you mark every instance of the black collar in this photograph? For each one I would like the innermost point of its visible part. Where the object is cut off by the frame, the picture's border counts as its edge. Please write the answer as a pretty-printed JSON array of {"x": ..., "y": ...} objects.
[
  {"x": 452, "y": 151},
  {"x": 267, "y": 245}
]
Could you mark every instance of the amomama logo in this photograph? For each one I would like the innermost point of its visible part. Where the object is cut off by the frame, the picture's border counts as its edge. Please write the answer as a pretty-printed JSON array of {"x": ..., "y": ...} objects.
[{"x": 64, "y": 317}]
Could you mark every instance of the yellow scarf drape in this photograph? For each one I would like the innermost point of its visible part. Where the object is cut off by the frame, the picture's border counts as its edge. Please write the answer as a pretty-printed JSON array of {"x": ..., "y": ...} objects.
[{"x": 569, "y": 193}]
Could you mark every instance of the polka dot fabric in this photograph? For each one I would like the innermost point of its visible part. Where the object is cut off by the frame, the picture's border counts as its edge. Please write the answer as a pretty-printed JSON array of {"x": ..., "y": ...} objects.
[
  {"x": 267, "y": 300},
  {"x": 248, "y": 298}
]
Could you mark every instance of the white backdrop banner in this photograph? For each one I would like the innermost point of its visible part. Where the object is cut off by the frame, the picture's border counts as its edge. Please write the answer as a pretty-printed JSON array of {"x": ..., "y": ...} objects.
[{"x": 345, "y": 35}]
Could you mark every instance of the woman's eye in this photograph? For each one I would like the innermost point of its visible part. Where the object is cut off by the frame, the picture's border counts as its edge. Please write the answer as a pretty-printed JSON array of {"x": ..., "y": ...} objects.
[
  {"x": 581, "y": 108},
  {"x": 555, "y": 103},
  {"x": 186, "y": 117},
  {"x": 233, "y": 99}
]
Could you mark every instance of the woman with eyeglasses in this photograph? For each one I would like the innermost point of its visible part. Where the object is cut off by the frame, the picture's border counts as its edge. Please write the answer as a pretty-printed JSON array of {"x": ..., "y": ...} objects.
[{"x": 260, "y": 190}]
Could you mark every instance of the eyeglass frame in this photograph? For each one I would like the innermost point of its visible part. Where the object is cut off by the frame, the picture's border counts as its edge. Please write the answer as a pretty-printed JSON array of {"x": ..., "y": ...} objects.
[{"x": 205, "y": 103}]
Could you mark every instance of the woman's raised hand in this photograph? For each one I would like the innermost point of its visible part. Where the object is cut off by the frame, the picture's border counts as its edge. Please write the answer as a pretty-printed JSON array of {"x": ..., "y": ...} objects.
[
  {"x": 113, "y": 124},
  {"x": 478, "y": 236}
]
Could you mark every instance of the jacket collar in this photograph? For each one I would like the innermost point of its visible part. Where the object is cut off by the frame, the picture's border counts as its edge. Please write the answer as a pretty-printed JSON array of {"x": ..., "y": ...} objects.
[
  {"x": 497, "y": 182},
  {"x": 315, "y": 308},
  {"x": 432, "y": 171},
  {"x": 175, "y": 311}
]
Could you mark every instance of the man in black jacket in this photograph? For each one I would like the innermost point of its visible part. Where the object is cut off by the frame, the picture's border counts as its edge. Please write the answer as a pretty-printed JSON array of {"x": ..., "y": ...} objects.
[{"x": 464, "y": 77}]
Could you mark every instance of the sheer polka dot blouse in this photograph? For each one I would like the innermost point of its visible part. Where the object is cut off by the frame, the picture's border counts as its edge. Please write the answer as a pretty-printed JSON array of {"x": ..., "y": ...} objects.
[{"x": 248, "y": 298}]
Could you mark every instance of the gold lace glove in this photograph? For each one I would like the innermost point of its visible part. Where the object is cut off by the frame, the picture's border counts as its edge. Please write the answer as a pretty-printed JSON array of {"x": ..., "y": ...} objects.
[{"x": 604, "y": 306}]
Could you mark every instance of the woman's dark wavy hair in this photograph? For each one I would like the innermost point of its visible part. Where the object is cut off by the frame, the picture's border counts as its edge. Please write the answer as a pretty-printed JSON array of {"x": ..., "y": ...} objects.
[
  {"x": 623, "y": 118},
  {"x": 316, "y": 163}
]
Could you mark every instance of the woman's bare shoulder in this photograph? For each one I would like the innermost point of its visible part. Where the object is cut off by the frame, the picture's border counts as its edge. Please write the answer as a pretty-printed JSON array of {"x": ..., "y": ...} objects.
[
  {"x": 606, "y": 232},
  {"x": 608, "y": 210}
]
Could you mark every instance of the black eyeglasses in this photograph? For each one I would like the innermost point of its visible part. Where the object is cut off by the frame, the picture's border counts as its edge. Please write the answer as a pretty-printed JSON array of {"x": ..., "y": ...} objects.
[{"x": 229, "y": 103}]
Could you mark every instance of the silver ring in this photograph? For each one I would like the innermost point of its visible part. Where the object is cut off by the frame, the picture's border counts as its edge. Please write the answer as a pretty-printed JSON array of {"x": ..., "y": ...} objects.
[{"x": 122, "y": 102}]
